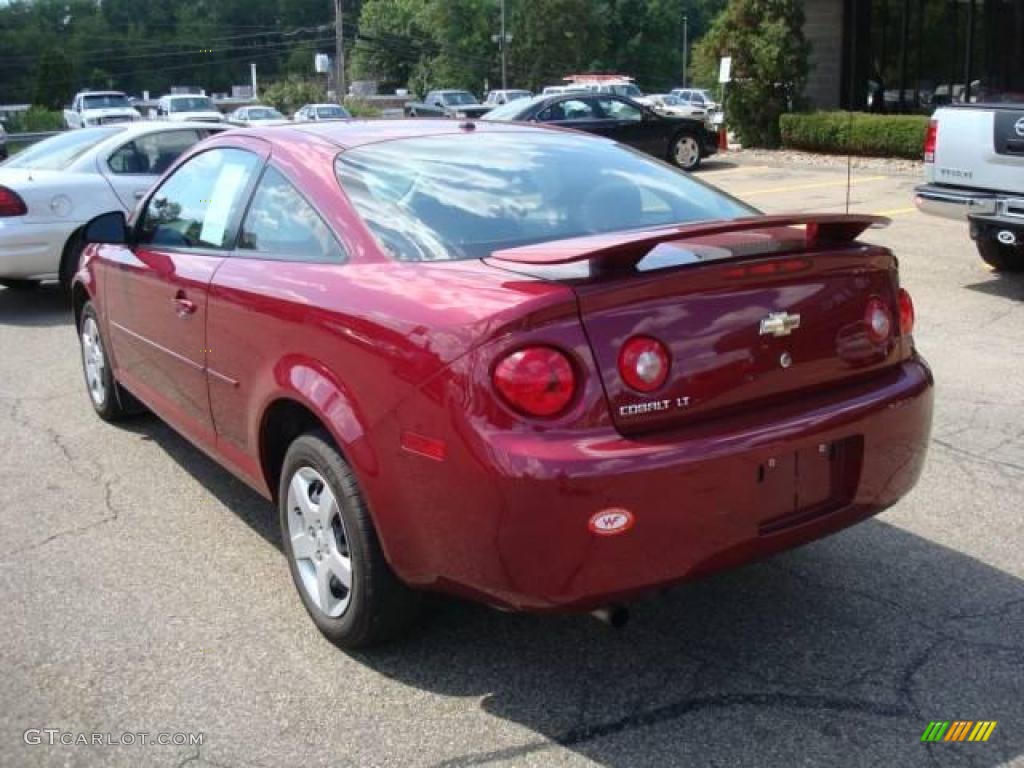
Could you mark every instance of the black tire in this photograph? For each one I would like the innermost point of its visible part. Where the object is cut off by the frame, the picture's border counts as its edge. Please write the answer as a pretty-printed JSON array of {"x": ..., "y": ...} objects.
[
  {"x": 15, "y": 284},
  {"x": 70, "y": 258},
  {"x": 379, "y": 607},
  {"x": 114, "y": 403},
  {"x": 686, "y": 160},
  {"x": 1003, "y": 258}
]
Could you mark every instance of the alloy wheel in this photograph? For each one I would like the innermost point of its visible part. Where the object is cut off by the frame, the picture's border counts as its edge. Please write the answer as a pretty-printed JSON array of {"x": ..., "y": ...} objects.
[
  {"x": 95, "y": 361},
  {"x": 319, "y": 542}
]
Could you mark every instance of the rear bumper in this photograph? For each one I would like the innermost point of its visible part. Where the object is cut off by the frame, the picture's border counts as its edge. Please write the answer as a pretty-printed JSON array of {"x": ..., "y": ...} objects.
[
  {"x": 32, "y": 250},
  {"x": 511, "y": 526},
  {"x": 955, "y": 202}
]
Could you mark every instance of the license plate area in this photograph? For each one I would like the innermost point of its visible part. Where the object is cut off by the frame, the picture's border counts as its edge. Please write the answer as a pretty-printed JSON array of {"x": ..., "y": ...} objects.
[{"x": 808, "y": 483}]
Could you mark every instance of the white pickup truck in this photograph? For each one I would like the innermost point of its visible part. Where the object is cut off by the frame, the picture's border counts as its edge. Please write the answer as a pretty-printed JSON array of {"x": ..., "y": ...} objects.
[
  {"x": 974, "y": 170},
  {"x": 99, "y": 108}
]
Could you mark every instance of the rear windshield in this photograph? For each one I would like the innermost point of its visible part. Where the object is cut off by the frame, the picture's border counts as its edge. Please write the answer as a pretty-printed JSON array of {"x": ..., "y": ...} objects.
[
  {"x": 105, "y": 101},
  {"x": 192, "y": 104},
  {"x": 511, "y": 110},
  {"x": 326, "y": 113},
  {"x": 58, "y": 152},
  {"x": 455, "y": 98},
  {"x": 465, "y": 196}
]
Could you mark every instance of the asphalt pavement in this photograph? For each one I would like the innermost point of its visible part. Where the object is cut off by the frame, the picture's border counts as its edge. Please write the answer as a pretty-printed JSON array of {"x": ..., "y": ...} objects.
[{"x": 144, "y": 590}]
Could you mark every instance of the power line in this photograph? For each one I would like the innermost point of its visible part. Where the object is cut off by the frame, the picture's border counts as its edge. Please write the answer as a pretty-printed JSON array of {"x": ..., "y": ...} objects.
[{"x": 115, "y": 53}]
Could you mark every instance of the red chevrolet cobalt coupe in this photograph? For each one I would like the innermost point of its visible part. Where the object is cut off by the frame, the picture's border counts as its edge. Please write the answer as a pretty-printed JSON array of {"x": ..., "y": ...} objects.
[{"x": 518, "y": 364}]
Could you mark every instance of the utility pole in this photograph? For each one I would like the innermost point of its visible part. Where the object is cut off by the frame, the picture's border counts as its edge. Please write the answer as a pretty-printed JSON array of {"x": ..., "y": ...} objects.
[
  {"x": 339, "y": 52},
  {"x": 252, "y": 73},
  {"x": 686, "y": 46}
]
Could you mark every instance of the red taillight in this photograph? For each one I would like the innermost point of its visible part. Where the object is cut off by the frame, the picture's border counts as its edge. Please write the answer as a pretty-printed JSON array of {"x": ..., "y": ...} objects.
[
  {"x": 11, "y": 203},
  {"x": 931, "y": 141},
  {"x": 536, "y": 381},
  {"x": 644, "y": 363},
  {"x": 906, "y": 313},
  {"x": 878, "y": 321}
]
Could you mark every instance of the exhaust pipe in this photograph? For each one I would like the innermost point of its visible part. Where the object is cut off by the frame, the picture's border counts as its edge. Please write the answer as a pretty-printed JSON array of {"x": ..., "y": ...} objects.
[{"x": 616, "y": 616}]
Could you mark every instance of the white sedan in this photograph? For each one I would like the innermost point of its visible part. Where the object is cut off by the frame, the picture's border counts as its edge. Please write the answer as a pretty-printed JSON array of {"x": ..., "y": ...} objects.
[{"x": 50, "y": 190}]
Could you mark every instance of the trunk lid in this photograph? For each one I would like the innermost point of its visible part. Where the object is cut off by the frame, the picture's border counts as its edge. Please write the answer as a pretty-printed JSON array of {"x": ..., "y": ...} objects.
[
  {"x": 752, "y": 311},
  {"x": 980, "y": 148}
]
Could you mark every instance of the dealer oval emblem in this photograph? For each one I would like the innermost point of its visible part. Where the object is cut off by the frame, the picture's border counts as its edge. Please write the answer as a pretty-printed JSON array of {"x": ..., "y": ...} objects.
[
  {"x": 1018, "y": 127},
  {"x": 611, "y": 522}
]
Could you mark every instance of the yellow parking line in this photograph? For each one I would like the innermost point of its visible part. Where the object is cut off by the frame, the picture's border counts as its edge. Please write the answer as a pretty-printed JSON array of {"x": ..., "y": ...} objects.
[
  {"x": 738, "y": 168},
  {"x": 894, "y": 212},
  {"x": 812, "y": 185}
]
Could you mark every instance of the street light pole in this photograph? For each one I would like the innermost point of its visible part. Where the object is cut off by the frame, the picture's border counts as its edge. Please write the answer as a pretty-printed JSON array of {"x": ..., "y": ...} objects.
[
  {"x": 504, "y": 43},
  {"x": 686, "y": 46}
]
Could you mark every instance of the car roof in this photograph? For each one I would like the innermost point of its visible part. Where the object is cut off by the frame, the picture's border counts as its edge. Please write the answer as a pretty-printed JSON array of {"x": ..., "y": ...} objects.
[{"x": 348, "y": 134}]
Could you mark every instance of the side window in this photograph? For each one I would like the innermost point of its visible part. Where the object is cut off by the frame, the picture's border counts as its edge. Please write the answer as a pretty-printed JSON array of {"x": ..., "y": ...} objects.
[
  {"x": 196, "y": 206},
  {"x": 697, "y": 99},
  {"x": 282, "y": 225},
  {"x": 152, "y": 154},
  {"x": 620, "y": 110},
  {"x": 570, "y": 109}
]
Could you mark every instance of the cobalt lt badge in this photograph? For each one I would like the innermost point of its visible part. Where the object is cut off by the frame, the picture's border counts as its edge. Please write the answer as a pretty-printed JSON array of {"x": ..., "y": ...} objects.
[{"x": 779, "y": 324}]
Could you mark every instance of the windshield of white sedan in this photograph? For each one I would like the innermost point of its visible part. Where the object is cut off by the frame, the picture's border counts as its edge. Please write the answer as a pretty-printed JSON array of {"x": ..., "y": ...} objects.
[
  {"x": 58, "y": 152},
  {"x": 466, "y": 196}
]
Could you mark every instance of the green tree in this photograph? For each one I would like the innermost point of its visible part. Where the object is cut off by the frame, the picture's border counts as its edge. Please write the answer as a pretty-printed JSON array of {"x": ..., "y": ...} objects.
[
  {"x": 769, "y": 64},
  {"x": 554, "y": 38},
  {"x": 291, "y": 93},
  {"x": 53, "y": 80},
  {"x": 393, "y": 40}
]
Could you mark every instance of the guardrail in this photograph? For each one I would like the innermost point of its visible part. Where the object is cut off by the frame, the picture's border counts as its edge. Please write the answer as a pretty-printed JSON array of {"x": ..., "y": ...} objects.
[{"x": 30, "y": 138}]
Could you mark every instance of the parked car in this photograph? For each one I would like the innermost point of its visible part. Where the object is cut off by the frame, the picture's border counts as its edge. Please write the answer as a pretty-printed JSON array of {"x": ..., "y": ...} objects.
[
  {"x": 496, "y": 98},
  {"x": 523, "y": 365},
  {"x": 3, "y": 141},
  {"x": 256, "y": 115},
  {"x": 456, "y": 104},
  {"x": 974, "y": 171},
  {"x": 91, "y": 108},
  {"x": 312, "y": 113},
  {"x": 49, "y": 190},
  {"x": 554, "y": 90},
  {"x": 697, "y": 97},
  {"x": 671, "y": 106},
  {"x": 181, "y": 107},
  {"x": 683, "y": 141}
]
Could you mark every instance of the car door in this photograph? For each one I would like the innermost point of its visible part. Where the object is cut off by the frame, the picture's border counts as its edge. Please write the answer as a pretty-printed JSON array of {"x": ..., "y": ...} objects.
[
  {"x": 261, "y": 299},
  {"x": 632, "y": 125},
  {"x": 156, "y": 291},
  {"x": 132, "y": 168}
]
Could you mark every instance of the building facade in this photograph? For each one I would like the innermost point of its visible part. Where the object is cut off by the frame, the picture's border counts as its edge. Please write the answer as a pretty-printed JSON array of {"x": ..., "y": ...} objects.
[{"x": 914, "y": 55}]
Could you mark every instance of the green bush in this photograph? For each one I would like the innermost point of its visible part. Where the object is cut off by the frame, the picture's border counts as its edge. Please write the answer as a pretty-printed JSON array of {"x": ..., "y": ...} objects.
[
  {"x": 857, "y": 134},
  {"x": 36, "y": 119},
  {"x": 361, "y": 108}
]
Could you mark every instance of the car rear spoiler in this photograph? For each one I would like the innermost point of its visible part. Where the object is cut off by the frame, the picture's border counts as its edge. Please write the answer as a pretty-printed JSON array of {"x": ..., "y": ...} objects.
[{"x": 626, "y": 249}]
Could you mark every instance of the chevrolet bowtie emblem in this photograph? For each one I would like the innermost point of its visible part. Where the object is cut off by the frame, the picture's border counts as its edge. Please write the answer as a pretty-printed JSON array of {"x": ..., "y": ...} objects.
[{"x": 779, "y": 324}]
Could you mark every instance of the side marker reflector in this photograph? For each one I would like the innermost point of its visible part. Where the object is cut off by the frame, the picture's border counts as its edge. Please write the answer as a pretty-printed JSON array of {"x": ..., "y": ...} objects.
[{"x": 424, "y": 446}]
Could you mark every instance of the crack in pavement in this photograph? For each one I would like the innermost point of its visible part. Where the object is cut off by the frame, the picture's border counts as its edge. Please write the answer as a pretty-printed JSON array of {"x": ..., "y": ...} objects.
[
  {"x": 85, "y": 469},
  {"x": 674, "y": 711},
  {"x": 997, "y": 463}
]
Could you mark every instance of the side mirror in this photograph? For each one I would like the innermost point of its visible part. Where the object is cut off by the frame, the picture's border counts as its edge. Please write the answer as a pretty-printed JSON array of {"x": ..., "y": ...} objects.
[{"x": 107, "y": 228}]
